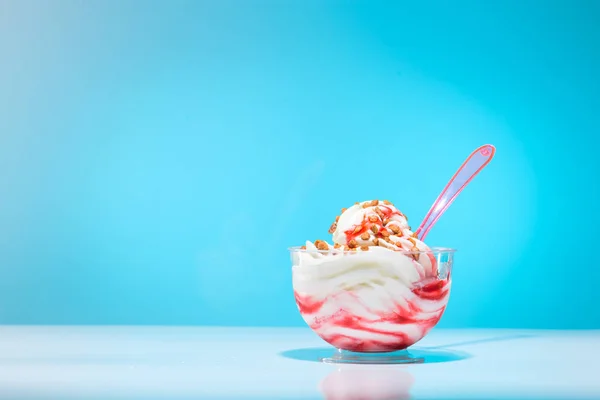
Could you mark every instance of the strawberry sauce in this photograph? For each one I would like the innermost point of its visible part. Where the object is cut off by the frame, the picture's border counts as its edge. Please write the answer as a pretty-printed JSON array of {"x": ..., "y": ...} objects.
[
  {"x": 306, "y": 305},
  {"x": 396, "y": 329},
  {"x": 366, "y": 225}
]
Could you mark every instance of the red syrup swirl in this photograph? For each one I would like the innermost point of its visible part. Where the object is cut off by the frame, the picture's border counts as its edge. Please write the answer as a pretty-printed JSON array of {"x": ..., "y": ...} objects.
[
  {"x": 306, "y": 305},
  {"x": 378, "y": 339}
]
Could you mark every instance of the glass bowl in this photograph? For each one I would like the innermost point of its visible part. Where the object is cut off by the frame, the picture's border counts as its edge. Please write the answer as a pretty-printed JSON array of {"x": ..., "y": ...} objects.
[{"x": 373, "y": 301}]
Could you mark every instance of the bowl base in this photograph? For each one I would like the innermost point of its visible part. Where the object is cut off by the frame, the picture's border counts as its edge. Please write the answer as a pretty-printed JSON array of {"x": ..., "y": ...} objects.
[{"x": 393, "y": 357}]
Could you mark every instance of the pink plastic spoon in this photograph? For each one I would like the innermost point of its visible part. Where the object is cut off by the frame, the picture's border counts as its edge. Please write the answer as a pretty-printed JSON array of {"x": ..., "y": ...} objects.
[{"x": 467, "y": 171}]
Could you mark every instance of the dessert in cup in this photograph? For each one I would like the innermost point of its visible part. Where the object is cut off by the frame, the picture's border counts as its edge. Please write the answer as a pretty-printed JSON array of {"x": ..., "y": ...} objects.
[{"x": 377, "y": 288}]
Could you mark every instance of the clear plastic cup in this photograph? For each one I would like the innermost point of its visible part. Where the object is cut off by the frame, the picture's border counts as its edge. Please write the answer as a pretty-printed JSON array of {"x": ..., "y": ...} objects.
[{"x": 371, "y": 301}]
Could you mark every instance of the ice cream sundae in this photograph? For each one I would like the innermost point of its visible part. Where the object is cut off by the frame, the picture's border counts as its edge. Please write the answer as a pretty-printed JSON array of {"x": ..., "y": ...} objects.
[{"x": 376, "y": 287}]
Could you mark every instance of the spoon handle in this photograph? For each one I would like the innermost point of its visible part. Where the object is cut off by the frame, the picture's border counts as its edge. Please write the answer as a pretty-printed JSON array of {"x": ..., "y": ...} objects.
[{"x": 467, "y": 171}]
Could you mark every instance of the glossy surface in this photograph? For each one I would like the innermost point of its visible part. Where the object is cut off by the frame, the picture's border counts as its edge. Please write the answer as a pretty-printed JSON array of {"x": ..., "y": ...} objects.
[{"x": 177, "y": 363}]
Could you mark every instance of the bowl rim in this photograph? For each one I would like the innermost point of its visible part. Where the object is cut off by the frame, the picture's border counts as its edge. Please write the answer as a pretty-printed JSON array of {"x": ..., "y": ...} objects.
[{"x": 432, "y": 250}]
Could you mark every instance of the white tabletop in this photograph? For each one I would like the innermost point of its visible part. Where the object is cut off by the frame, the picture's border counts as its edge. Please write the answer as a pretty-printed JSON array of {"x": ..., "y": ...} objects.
[{"x": 280, "y": 363}]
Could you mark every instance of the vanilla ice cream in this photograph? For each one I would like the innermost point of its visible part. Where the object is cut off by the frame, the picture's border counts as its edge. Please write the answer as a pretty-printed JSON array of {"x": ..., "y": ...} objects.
[{"x": 377, "y": 288}]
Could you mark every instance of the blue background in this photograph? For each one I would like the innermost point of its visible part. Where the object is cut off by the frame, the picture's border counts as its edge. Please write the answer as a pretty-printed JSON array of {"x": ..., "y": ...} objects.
[{"x": 157, "y": 158}]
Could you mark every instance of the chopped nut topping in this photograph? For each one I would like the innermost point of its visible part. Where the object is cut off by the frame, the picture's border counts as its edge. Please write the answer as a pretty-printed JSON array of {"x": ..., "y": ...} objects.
[
  {"x": 357, "y": 229},
  {"x": 337, "y": 218},
  {"x": 387, "y": 239},
  {"x": 364, "y": 248},
  {"x": 366, "y": 205},
  {"x": 376, "y": 241},
  {"x": 336, "y": 246},
  {"x": 343, "y": 210},
  {"x": 303, "y": 247},
  {"x": 373, "y": 218},
  {"x": 387, "y": 202},
  {"x": 374, "y": 228},
  {"x": 416, "y": 253},
  {"x": 384, "y": 233},
  {"x": 412, "y": 241},
  {"x": 386, "y": 221},
  {"x": 365, "y": 236},
  {"x": 394, "y": 228},
  {"x": 374, "y": 203},
  {"x": 352, "y": 244},
  {"x": 379, "y": 212},
  {"x": 398, "y": 243},
  {"x": 414, "y": 235},
  {"x": 321, "y": 245},
  {"x": 332, "y": 228}
]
